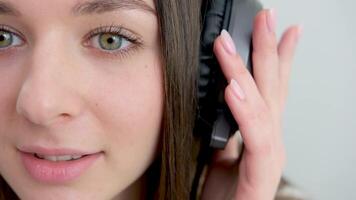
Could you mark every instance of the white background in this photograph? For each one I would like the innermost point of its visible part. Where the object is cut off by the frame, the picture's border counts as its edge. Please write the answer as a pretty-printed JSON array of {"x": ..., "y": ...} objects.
[{"x": 320, "y": 119}]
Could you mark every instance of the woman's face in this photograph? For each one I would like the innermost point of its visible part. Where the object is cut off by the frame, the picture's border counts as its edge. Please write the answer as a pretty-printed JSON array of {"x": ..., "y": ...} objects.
[{"x": 74, "y": 84}]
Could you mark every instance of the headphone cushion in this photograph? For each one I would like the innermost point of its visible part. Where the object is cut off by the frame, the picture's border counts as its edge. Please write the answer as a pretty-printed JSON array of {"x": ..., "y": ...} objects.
[{"x": 214, "y": 17}]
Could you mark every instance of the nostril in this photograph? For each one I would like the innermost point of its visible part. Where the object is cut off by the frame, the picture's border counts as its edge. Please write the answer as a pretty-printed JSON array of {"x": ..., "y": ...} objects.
[{"x": 65, "y": 115}]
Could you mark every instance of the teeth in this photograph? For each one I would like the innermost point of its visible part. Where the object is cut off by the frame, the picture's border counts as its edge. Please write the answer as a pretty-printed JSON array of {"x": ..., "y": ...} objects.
[
  {"x": 76, "y": 157},
  {"x": 59, "y": 158}
]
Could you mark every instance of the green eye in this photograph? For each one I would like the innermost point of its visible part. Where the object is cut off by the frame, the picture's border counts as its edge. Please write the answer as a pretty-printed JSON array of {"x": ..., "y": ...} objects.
[
  {"x": 6, "y": 39},
  {"x": 113, "y": 40},
  {"x": 109, "y": 41}
]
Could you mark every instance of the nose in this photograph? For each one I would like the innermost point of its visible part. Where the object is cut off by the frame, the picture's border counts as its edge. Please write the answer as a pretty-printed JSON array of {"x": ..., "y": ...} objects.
[{"x": 48, "y": 94}]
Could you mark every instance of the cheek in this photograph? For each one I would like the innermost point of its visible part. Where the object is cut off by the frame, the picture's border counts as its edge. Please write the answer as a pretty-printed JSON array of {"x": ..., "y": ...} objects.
[
  {"x": 131, "y": 118},
  {"x": 130, "y": 111},
  {"x": 11, "y": 77}
]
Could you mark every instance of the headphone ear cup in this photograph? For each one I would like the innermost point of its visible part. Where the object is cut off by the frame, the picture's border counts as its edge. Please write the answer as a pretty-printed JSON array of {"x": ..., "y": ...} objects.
[
  {"x": 214, "y": 120},
  {"x": 215, "y": 17}
]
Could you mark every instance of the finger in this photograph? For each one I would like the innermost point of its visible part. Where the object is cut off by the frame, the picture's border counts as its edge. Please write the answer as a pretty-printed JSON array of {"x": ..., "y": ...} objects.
[
  {"x": 233, "y": 67},
  {"x": 286, "y": 51},
  {"x": 262, "y": 160},
  {"x": 253, "y": 119},
  {"x": 265, "y": 56},
  {"x": 250, "y": 111}
]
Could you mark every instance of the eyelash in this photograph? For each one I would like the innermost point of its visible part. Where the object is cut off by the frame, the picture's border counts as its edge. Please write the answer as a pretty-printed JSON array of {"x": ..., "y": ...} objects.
[
  {"x": 136, "y": 41},
  {"x": 121, "y": 32}
]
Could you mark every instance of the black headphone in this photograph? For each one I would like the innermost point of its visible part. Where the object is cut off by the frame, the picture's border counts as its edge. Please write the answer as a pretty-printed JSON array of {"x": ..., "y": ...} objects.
[{"x": 214, "y": 121}]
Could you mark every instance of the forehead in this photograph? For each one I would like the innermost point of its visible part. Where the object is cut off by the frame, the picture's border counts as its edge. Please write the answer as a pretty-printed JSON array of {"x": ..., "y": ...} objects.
[{"x": 74, "y": 7}]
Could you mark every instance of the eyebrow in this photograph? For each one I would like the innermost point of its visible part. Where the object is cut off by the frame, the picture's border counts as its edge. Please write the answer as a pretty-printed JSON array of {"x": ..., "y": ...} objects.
[
  {"x": 8, "y": 9},
  {"x": 90, "y": 7},
  {"x": 100, "y": 6}
]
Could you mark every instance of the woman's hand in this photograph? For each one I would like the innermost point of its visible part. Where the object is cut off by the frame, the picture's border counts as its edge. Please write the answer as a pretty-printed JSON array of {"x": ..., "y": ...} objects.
[{"x": 257, "y": 104}]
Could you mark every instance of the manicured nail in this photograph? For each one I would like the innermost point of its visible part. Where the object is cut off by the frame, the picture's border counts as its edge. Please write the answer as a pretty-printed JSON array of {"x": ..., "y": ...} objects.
[
  {"x": 228, "y": 43},
  {"x": 237, "y": 90},
  {"x": 271, "y": 20}
]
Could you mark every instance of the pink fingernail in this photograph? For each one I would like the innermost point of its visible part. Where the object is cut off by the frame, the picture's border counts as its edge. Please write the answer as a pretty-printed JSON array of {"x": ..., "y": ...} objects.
[
  {"x": 271, "y": 20},
  {"x": 237, "y": 90},
  {"x": 228, "y": 43}
]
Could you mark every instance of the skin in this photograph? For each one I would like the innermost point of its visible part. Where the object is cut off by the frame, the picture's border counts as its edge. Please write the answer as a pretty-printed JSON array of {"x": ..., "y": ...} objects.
[
  {"x": 57, "y": 92},
  {"x": 48, "y": 98}
]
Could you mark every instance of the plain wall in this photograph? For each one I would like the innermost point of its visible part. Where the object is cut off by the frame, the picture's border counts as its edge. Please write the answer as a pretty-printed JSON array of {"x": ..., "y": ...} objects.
[{"x": 320, "y": 119}]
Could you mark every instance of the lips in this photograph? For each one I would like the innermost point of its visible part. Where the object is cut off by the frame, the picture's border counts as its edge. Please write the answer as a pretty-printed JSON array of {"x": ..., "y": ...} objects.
[{"x": 56, "y": 165}]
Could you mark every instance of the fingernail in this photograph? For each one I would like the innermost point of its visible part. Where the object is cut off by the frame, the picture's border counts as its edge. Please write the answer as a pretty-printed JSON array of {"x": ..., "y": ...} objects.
[
  {"x": 237, "y": 90},
  {"x": 300, "y": 32},
  {"x": 271, "y": 20},
  {"x": 228, "y": 43}
]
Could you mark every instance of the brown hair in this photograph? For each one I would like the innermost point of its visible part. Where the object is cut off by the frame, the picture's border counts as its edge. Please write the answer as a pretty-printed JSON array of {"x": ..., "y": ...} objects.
[
  {"x": 6, "y": 192},
  {"x": 179, "y": 22}
]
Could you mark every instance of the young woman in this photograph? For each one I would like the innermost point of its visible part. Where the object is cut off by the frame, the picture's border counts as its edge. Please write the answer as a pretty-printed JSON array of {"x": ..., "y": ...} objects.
[{"x": 98, "y": 101}]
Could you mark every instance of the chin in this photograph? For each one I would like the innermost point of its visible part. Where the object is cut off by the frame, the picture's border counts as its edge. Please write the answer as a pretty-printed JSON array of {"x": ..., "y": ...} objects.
[{"x": 59, "y": 194}]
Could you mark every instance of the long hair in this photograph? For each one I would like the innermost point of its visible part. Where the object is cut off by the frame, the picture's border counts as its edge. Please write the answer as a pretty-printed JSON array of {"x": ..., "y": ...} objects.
[{"x": 179, "y": 23}]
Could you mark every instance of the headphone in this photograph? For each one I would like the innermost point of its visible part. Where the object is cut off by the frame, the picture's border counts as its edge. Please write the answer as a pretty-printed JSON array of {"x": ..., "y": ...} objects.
[{"x": 214, "y": 121}]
